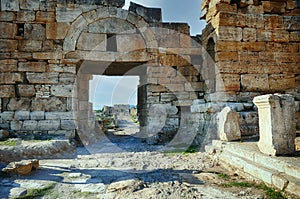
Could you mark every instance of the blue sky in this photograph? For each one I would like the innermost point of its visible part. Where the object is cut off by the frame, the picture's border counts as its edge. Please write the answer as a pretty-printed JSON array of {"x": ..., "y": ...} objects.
[
  {"x": 177, "y": 11},
  {"x": 123, "y": 90}
]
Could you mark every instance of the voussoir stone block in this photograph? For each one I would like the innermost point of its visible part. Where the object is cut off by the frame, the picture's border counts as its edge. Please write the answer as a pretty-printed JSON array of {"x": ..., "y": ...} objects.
[
  {"x": 277, "y": 124},
  {"x": 228, "y": 125}
]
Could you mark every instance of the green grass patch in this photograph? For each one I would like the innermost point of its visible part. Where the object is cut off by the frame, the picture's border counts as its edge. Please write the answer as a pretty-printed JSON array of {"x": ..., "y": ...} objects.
[
  {"x": 34, "y": 193},
  {"x": 224, "y": 176},
  {"x": 270, "y": 192},
  {"x": 8, "y": 143},
  {"x": 191, "y": 149}
]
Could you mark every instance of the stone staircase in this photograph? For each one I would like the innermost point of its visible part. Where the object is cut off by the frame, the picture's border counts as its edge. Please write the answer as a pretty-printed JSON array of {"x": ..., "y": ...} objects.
[{"x": 282, "y": 173}]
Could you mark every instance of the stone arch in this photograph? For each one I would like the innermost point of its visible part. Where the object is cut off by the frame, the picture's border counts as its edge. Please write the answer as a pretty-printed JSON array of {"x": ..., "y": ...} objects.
[{"x": 87, "y": 18}]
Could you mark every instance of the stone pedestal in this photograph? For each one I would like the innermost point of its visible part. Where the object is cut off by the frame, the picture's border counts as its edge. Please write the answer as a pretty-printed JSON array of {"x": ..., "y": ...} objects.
[{"x": 277, "y": 127}]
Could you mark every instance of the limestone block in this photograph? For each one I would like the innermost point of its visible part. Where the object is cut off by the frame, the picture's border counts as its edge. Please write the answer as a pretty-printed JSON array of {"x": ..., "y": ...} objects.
[
  {"x": 274, "y": 7},
  {"x": 47, "y": 5},
  {"x": 228, "y": 46},
  {"x": 7, "y": 91},
  {"x": 254, "y": 46},
  {"x": 45, "y": 16},
  {"x": 249, "y": 34},
  {"x": 10, "y": 78},
  {"x": 29, "y": 5},
  {"x": 6, "y": 116},
  {"x": 26, "y": 90},
  {"x": 279, "y": 36},
  {"x": 16, "y": 125},
  {"x": 22, "y": 115},
  {"x": 8, "y": 65},
  {"x": 8, "y": 45},
  {"x": 255, "y": 82},
  {"x": 277, "y": 124},
  {"x": 62, "y": 90},
  {"x": 7, "y": 16},
  {"x": 226, "y": 56},
  {"x": 47, "y": 55},
  {"x": 59, "y": 115},
  {"x": 16, "y": 104},
  {"x": 92, "y": 41},
  {"x": 57, "y": 30},
  {"x": 48, "y": 125},
  {"x": 112, "y": 26},
  {"x": 42, "y": 78},
  {"x": 228, "y": 125},
  {"x": 227, "y": 33},
  {"x": 279, "y": 181},
  {"x": 10, "y": 5},
  {"x": 255, "y": 9},
  {"x": 212, "y": 11},
  {"x": 175, "y": 60},
  {"x": 67, "y": 14},
  {"x": 37, "y": 115},
  {"x": 68, "y": 125},
  {"x": 132, "y": 42},
  {"x": 273, "y": 22},
  {"x": 34, "y": 31},
  {"x": 67, "y": 78},
  {"x": 7, "y": 30},
  {"x": 29, "y": 125},
  {"x": 25, "y": 16},
  {"x": 49, "y": 104},
  {"x": 281, "y": 82},
  {"x": 228, "y": 82},
  {"x": 259, "y": 172},
  {"x": 32, "y": 66},
  {"x": 30, "y": 45},
  {"x": 23, "y": 167},
  {"x": 250, "y": 20}
]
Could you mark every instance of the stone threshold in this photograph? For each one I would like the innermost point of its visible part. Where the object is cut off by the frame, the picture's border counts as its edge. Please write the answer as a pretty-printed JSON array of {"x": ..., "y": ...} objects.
[{"x": 283, "y": 173}]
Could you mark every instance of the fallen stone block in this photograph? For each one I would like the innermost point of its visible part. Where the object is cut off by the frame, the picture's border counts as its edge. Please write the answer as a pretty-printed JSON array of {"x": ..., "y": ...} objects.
[
  {"x": 228, "y": 125},
  {"x": 23, "y": 167}
]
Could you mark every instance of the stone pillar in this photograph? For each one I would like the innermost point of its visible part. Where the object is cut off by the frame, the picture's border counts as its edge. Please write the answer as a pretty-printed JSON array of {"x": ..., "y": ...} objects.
[{"x": 277, "y": 127}]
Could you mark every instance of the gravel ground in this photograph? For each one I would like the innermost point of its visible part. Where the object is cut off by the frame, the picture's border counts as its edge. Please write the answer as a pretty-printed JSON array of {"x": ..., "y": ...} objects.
[{"x": 121, "y": 166}]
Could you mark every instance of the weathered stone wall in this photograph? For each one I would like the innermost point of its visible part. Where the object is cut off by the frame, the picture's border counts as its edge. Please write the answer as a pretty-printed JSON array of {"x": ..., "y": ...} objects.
[
  {"x": 254, "y": 46},
  {"x": 50, "y": 49}
]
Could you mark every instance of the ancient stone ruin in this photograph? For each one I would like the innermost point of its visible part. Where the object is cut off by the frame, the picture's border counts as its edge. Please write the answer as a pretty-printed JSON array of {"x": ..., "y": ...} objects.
[{"x": 49, "y": 51}]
